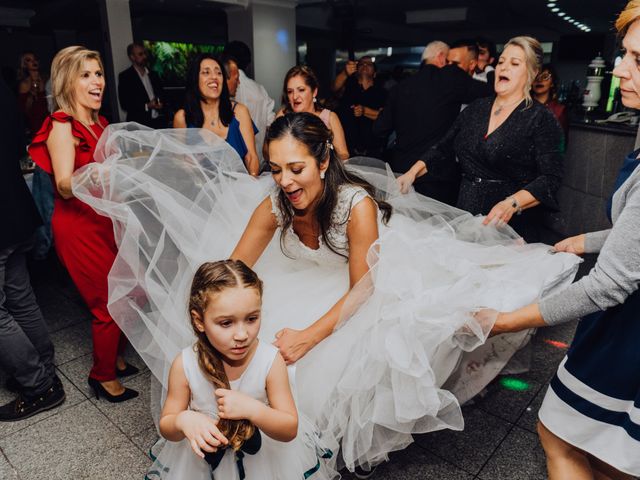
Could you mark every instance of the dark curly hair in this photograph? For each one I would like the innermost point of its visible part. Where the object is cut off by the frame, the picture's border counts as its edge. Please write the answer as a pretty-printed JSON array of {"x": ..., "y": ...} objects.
[{"x": 309, "y": 130}]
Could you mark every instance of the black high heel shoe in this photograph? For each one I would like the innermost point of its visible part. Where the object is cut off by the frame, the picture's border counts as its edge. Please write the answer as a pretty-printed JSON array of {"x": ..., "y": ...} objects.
[
  {"x": 127, "y": 371},
  {"x": 98, "y": 390}
]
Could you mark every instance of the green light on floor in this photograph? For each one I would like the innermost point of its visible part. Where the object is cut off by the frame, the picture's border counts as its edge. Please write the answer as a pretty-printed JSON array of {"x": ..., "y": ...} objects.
[{"x": 514, "y": 384}]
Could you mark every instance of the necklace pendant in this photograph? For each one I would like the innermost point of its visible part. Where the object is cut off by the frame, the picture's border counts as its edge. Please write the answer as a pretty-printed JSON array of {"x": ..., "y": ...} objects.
[{"x": 498, "y": 111}]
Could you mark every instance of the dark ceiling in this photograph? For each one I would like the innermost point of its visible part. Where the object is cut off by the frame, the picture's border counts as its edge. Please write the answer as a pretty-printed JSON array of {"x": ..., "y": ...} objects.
[{"x": 526, "y": 16}]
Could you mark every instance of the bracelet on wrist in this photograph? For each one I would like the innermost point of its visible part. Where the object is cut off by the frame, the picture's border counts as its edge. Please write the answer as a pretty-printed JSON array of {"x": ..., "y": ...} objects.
[{"x": 514, "y": 204}]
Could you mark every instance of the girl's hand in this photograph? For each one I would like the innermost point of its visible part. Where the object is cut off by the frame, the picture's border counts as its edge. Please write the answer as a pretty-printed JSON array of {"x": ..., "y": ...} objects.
[
  {"x": 501, "y": 213},
  {"x": 405, "y": 181},
  {"x": 293, "y": 344},
  {"x": 571, "y": 245},
  {"x": 234, "y": 405},
  {"x": 201, "y": 431}
]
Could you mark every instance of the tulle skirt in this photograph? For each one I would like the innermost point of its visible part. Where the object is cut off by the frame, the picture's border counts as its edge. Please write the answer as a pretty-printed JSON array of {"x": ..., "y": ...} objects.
[
  {"x": 408, "y": 349},
  {"x": 302, "y": 458}
]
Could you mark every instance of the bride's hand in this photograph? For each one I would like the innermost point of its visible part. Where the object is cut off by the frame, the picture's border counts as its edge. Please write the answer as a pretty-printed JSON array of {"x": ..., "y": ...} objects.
[{"x": 293, "y": 344}]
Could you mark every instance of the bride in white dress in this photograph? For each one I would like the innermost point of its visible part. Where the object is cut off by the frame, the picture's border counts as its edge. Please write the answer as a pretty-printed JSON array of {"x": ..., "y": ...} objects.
[{"x": 375, "y": 314}]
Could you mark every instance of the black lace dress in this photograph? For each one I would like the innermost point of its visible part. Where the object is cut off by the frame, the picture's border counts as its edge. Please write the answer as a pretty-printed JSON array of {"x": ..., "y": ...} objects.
[{"x": 522, "y": 153}]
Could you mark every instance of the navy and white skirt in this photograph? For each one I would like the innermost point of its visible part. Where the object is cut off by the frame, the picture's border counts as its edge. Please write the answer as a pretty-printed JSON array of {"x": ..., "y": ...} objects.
[{"x": 593, "y": 401}]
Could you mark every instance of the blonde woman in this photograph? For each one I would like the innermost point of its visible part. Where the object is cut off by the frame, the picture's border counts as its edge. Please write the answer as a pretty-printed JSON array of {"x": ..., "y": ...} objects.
[
  {"x": 83, "y": 239},
  {"x": 589, "y": 420},
  {"x": 508, "y": 148}
]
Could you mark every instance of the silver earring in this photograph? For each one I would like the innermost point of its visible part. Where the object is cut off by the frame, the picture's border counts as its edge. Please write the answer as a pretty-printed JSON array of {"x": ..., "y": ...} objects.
[
  {"x": 322, "y": 175},
  {"x": 315, "y": 99}
]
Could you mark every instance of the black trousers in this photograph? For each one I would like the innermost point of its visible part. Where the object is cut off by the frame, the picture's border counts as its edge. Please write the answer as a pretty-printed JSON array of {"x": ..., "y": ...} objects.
[{"x": 26, "y": 351}]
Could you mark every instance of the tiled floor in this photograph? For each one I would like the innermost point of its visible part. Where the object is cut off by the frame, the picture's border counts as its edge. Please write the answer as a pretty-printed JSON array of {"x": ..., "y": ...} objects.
[{"x": 89, "y": 439}]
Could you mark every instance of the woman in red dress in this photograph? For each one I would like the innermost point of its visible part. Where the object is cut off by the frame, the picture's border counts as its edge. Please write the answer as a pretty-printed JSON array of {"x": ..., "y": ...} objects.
[{"x": 83, "y": 239}]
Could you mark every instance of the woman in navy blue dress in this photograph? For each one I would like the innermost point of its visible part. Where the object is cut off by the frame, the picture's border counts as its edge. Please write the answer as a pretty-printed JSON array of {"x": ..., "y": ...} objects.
[
  {"x": 590, "y": 418},
  {"x": 208, "y": 106}
]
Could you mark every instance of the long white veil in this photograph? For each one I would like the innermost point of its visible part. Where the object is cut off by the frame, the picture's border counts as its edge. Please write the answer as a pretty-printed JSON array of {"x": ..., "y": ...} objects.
[{"x": 181, "y": 197}]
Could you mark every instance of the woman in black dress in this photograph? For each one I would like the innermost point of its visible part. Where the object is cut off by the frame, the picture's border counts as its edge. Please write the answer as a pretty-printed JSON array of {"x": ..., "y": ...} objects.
[{"x": 508, "y": 148}]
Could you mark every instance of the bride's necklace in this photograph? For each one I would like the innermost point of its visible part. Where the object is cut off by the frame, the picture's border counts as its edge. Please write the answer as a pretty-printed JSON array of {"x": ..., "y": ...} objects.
[
  {"x": 214, "y": 122},
  {"x": 500, "y": 108}
]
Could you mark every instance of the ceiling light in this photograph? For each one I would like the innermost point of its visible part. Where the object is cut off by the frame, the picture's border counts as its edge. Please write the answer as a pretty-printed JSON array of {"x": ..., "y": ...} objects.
[
  {"x": 555, "y": 9},
  {"x": 551, "y": 4},
  {"x": 587, "y": 29},
  {"x": 561, "y": 14},
  {"x": 436, "y": 15},
  {"x": 568, "y": 18}
]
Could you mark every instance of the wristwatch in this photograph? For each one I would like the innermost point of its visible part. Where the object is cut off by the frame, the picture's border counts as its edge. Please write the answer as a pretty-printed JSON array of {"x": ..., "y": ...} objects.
[{"x": 515, "y": 205}]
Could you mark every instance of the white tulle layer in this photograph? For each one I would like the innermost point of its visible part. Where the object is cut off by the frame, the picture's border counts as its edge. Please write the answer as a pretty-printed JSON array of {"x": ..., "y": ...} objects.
[
  {"x": 407, "y": 350},
  {"x": 295, "y": 460}
]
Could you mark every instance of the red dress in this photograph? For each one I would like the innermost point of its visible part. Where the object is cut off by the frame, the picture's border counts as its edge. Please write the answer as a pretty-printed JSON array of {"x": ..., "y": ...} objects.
[{"x": 85, "y": 243}]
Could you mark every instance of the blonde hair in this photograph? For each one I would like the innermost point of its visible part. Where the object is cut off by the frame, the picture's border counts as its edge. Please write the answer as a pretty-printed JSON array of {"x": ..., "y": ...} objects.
[
  {"x": 212, "y": 278},
  {"x": 65, "y": 69},
  {"x": 533, "y": 56},
  {"x": 630, "y": 14}
]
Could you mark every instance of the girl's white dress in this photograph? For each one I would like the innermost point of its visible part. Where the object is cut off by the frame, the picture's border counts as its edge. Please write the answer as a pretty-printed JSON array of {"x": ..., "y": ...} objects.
[
  {"x": 407, "y": 350},
  {"x": 295, "y": 460}
]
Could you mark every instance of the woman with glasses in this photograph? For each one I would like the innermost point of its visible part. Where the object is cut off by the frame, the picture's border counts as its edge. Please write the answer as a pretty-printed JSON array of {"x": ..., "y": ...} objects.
[{"x": 545, "y": 90}]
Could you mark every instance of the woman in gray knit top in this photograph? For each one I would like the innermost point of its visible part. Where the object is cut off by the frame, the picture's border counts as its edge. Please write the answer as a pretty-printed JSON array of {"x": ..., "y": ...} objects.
[{"x": 590, "y": 419}]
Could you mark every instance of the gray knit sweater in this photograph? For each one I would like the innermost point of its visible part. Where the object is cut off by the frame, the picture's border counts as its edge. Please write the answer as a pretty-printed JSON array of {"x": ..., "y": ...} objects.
[{"x": 616, "y": 274}]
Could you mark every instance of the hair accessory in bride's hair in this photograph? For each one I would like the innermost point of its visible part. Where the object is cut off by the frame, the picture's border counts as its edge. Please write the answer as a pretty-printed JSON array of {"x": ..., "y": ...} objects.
[{"x": 329, "y": 145}]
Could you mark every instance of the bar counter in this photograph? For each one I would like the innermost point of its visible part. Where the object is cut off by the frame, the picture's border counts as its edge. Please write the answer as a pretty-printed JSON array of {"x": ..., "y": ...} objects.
[{"x": 594, "y": 155}]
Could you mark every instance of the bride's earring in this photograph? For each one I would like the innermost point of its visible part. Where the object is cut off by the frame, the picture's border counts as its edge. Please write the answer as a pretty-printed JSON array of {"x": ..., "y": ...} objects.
[{"x": 322, "y": 175}]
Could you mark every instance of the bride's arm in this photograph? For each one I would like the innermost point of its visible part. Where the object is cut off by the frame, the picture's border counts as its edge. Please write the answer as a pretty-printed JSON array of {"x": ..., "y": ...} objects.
[
  {"x": 362, "y": 231},
  {"x": 257, "y": 235}
]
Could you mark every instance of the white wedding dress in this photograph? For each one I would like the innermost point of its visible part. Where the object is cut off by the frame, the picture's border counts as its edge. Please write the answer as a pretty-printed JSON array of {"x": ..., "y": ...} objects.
[{"x": 407, "y": 350}]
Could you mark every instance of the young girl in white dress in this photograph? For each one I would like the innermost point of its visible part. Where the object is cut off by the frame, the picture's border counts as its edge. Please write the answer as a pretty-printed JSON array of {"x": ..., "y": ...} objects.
[{"x": 229, "y": 412}]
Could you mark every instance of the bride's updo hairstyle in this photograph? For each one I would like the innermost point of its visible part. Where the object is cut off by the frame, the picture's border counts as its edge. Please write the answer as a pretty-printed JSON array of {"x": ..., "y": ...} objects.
[
  {"x": 311, "y": 131},
  {"x": 212, "y": 278}
]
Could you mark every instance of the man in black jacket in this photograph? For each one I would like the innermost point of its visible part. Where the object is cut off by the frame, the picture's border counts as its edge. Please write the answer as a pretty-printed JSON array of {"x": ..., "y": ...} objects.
[
  {"x": 420, "y": 110},
  {"x": 26, "y": 351},
  {"x": 139, "y": 90}
]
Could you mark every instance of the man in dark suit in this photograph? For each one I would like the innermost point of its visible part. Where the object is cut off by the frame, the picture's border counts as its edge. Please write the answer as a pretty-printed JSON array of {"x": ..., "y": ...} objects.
[
  {"x": 26, "y": 351},
  {"x": 421, "y": 109},
  {"x": 139, "y": 90}
]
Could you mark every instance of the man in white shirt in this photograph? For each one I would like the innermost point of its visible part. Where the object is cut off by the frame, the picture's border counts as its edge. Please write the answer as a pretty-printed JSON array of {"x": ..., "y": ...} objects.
[
  {"x": 251, "y": 93},
  {"x": 139, "y": 90}
]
